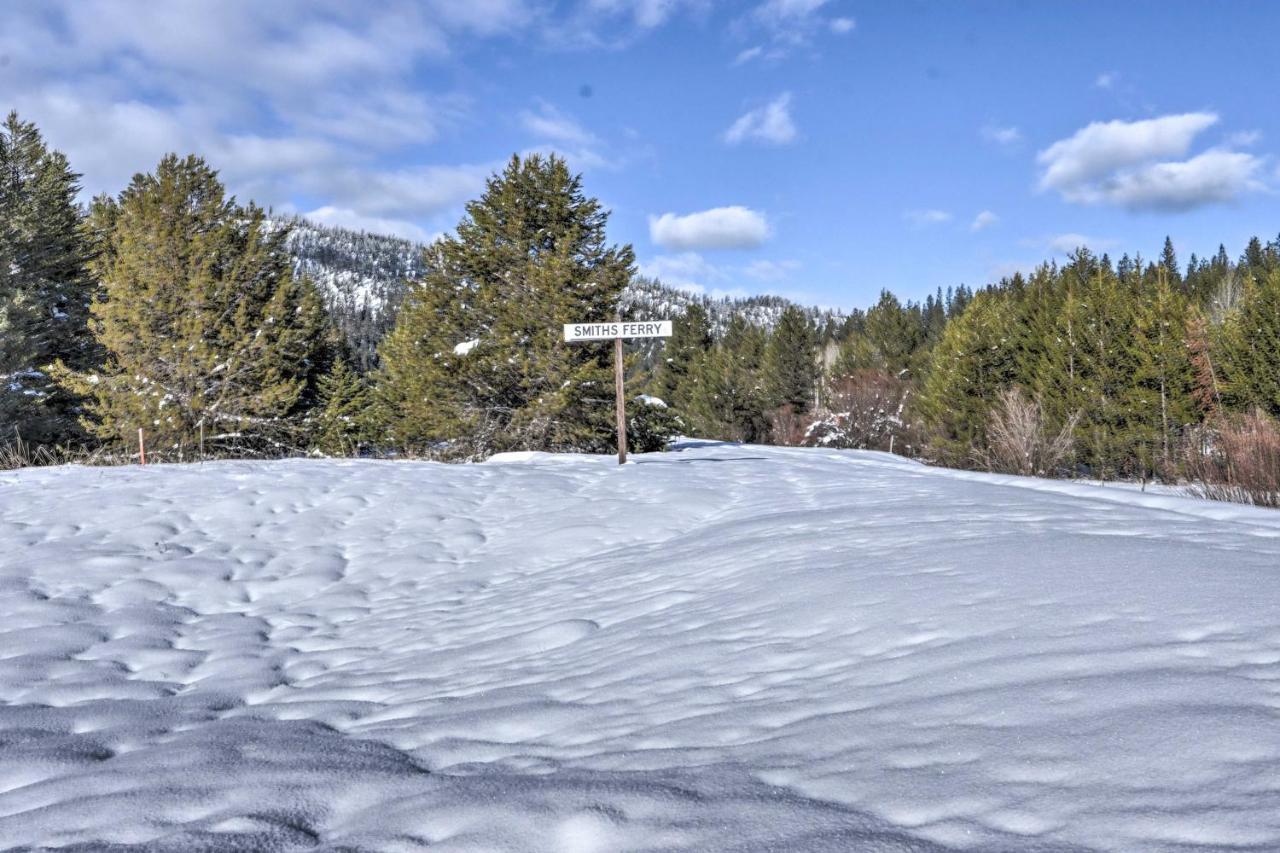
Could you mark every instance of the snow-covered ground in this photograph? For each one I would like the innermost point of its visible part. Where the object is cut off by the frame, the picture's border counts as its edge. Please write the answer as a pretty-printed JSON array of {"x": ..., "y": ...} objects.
[{"x": 722, "y": 648}]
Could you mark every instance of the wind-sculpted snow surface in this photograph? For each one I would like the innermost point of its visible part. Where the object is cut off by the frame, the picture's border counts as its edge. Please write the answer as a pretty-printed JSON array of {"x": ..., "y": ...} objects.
[{"x": 719, "y": 649}]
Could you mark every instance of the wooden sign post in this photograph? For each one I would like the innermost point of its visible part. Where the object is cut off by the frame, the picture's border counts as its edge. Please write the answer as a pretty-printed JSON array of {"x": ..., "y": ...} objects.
[{"x": 616, "y": 331}]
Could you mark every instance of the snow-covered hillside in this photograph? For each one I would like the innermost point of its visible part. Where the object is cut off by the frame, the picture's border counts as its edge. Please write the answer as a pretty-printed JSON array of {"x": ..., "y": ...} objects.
[
  {"x": 722, "y": 648},
  {"x": 363, "y": 277}
]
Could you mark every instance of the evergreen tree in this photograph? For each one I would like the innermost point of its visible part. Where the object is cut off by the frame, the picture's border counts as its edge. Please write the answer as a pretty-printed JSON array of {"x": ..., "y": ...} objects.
[
  {"x": 957, "y": 301},
  {"x": 202, "y": 322},
  {"x": 856, "y": 354},
  {"x": 342, "y": 420},
  {"x": 1169, "y": 263},
  {"x": 894, "y": 333},
  {"x": 1164, "y": 379},
  {"x": 476, "y": 363},
  {"x": 690, "y": 340},
  {"x": 1091, "y": 370},
  {"x": 1038, "y": 309},
  {"x": 1251, "y": 346},
  {"x": 972, "y": 363},
  {"x": 729, "y": 400},
  {"x": 45, "y": 287},
  {"x": 935, "y": 318},
  {"x": 1254, "y": 257},
  {"x": 791, "y": 362}
]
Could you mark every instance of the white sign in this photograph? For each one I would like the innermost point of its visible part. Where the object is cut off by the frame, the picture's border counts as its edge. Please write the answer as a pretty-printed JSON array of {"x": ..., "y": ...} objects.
[{"x": 610, "y": 331}]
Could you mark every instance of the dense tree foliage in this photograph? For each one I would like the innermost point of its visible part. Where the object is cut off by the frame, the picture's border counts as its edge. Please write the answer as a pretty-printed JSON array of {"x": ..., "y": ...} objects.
[
  {"x": 174, "y": 309},
  {"x": 45, "y": 287},
  {"x": 791, "y": 363},
  {"x": 476, "y": 363},
  {"x": 204, "y": 328}
]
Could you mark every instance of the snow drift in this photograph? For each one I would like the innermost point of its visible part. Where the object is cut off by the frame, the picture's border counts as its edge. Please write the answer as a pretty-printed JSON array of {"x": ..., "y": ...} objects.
[{"x": 723, "y": 648}]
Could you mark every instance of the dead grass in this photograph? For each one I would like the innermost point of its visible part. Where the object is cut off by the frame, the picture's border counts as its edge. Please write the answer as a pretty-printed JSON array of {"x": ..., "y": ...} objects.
[{"x": 1237, "y": 459}]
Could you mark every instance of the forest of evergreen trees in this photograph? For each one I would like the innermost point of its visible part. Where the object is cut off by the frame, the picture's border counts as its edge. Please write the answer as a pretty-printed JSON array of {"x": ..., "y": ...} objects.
[{"x": 176, "y": 310}]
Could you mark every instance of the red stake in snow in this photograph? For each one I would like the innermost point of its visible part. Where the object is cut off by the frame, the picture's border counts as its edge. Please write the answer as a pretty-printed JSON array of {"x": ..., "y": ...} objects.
[
  {"x": 616, "y": 331},
  {"x": 142, "y": 448}
]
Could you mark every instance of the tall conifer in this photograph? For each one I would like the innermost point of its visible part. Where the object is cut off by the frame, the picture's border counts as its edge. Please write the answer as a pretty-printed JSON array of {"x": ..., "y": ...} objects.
[
  {"x": 791, "y": 362},
  {"x": 689, "y": 342},
  {"x": 1251, "y": 345},
  {"x": 476, "y": 363},
  {"x": 45, "y": 287},
  {"x": 205, "y": 328}
]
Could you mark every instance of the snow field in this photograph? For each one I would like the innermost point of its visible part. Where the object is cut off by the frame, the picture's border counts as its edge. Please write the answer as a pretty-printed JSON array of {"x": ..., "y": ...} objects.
[{"x": 723, "y": 648}]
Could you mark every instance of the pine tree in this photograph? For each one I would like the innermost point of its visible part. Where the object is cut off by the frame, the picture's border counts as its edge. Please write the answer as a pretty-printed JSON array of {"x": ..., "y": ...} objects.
[
  {"x": 476, "y": 363},
  {"x": 856, "y": 354},
  {"x": 1164, "y": 379},
  {"x": 1090, "y": 369},
  {"x": 1169, "y": 263},
  {"x": 342, "y": 420},
  {"x": 935, "y": 318},
  {"x": 1254, "y": 257},
  {"x": 972, "y": 363},
  {"x": 45, "y": 287},
  {"x": 729, "y": 399},
  {"x": 690, "y": 340},
  {"x": 1038, "y": 309},
  {"x": 1251, "y": 346},
  {"x": 791, "y": 362},
  {"x": 205, "y": 328},
  {"x": 894, "y": 333}
]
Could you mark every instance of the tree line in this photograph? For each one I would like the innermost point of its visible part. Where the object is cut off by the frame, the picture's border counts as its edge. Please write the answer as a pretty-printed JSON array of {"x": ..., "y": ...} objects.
[{"x": 175, "y": 309}]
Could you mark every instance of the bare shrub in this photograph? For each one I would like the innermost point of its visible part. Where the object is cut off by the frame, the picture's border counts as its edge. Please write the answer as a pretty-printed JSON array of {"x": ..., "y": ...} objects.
[
  {"x": 864, "y": 410},
  {"x": 1236, "y": 458},
  {"x": 787, "y": 427},
  {"x": 1018, "y": 441}
]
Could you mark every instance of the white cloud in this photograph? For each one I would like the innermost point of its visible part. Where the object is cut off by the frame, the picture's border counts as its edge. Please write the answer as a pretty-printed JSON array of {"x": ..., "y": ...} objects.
[
  {"x": 771, "y": 271},
  {"x": 549, "y": 123},
  {"x": 1244, "y": 139},
  {"x": 645, "y": 14},
  {"x": 1008, "y": 269},
  {"x": 561, "y": 134},
  {"x": 288, "y": 99},
  {"x": 1106, "y": 80},
  {"x": 733, "y": 227},
  {"x": 788, "y": 25},
  {"x": 483, "y": 17},
  {"x": 1123, "y": 163},
  {"x": 921, "y": 218},
  {"x": 1065, "y": 244},
  {"x": 612, "y": 24},
  {"x": 1215, "y": 176},
  {"x": 1006, "y": 136},
  {"x": 346, "y": 218},
  {"x": 781, "y": 12},
  {"x": 770, "y": 124},
  {"x": 415, "y": 192},
  {"x": 1102, "y": 147},
  {"x": 687, "y": 270},
  {"x": 985, "y": 219},
  {"x": 747, "y": 55}
]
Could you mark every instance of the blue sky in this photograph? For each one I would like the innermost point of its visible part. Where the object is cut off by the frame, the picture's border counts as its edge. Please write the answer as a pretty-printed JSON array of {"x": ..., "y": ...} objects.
[{"x": 821, "y": 150}]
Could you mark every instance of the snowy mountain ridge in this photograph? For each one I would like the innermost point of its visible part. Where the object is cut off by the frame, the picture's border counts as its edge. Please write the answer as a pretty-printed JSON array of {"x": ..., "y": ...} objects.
[{"x": 362, "y": 278}]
